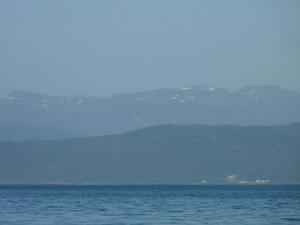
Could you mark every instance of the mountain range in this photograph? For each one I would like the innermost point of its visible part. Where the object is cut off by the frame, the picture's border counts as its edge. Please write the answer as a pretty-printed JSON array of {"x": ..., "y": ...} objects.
[
  {"x": 85, "y": 116},
  {"x": 165, "y": 154}
]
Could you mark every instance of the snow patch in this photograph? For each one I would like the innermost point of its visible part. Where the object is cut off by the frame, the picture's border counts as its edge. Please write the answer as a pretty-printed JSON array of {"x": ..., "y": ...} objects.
[
  {"x": 249, "y": 93},
  {"x": 140, "y": 99},
  {"x": 211, "y": 89},
  {"x": 185, "y": 88},
  {"x": 9, "y": 98}
]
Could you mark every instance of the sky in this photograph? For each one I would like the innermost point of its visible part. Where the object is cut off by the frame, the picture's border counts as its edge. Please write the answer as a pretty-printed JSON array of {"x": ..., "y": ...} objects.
[{"x": 96, "y": 48}]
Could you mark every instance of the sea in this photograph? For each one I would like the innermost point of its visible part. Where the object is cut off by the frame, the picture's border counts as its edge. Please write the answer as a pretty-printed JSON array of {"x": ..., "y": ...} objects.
[{"x": 149, "y": 204}]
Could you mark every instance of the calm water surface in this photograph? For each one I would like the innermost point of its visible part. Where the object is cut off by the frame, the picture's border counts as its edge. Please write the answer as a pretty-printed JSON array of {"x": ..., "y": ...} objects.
[{"x": 93, "y": 205}]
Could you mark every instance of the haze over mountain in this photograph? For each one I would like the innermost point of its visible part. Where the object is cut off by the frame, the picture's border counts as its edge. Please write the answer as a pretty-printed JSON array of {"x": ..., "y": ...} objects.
[
  {"x": 10, "y": 130},
  {"x": 166, "y": 154},
  {"x": 251, "y": 105}
]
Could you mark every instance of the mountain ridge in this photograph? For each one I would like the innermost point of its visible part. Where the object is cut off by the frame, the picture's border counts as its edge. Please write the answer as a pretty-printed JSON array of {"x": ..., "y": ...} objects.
[
  {"x": 20, "y": 92},
  {"x": 251, "y": 105}
]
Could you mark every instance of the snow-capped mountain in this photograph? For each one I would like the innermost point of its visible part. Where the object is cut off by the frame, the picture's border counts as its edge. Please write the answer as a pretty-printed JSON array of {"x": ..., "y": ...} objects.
[{"x": 251, "y": 105}]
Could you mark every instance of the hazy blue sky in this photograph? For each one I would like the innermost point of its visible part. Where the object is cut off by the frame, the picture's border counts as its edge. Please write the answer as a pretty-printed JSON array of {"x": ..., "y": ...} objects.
[{"x": 104, "y": 47}]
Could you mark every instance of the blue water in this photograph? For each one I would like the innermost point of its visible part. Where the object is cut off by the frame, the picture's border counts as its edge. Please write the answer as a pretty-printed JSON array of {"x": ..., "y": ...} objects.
[{"x": 93, "y": 205}]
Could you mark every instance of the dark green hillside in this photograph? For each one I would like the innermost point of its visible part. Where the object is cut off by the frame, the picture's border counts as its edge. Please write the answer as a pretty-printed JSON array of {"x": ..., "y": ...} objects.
[{"x": 161, "y": 154}]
